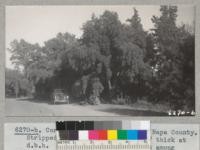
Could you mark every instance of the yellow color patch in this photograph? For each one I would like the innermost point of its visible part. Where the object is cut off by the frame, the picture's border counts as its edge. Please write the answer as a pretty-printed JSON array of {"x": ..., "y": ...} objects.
[{"x": 112, "y": 134}]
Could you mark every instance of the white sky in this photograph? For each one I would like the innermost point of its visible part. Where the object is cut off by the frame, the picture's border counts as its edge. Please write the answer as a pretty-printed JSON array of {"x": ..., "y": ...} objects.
[{"x": 37, "y": 24}]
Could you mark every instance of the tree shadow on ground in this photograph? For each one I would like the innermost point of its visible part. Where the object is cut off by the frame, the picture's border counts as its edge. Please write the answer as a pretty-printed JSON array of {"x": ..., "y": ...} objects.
[{"x": 132, "y": 112}]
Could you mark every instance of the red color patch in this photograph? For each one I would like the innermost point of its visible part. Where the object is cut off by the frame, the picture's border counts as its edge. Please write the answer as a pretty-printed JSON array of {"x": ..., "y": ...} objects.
[{"x": 102, "y": 134}]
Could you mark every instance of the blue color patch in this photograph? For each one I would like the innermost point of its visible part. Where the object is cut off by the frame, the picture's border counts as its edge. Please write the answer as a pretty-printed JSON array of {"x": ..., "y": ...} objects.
[
  {"x": 142, "y": 135},
  {"x": 132, "y": 134}
]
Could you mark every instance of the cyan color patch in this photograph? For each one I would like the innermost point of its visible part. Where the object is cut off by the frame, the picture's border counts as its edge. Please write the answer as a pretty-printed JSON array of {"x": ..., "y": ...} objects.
[{"x": 132, "y": 134}]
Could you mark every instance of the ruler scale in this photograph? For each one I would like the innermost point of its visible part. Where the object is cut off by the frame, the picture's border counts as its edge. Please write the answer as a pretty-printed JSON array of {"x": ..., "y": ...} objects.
[{"x": 96, "y": 145}]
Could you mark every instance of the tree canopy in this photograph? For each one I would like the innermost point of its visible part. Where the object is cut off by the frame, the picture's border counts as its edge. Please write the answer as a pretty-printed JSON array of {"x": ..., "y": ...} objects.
[{"x": 116, "y": 58}]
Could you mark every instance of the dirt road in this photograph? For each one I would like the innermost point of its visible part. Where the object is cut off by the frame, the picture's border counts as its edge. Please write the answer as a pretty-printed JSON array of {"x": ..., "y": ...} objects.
[{"x": 28, "y": 107}]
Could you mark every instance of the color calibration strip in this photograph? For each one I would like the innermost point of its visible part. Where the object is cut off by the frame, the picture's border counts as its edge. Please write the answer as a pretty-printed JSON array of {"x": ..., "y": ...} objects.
[
  {"x": 102, "y": 125},
  {"x": 102, "y": 135},
  {"x": 100, "y": 130}
]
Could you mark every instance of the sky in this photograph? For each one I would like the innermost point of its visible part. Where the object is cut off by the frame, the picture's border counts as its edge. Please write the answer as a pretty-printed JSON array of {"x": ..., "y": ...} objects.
[{"x": 37, "y": 24}]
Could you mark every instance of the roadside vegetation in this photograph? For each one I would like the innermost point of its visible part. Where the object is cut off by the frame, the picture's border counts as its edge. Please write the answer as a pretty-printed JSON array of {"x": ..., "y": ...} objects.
[{"x": 112, "y": 62}]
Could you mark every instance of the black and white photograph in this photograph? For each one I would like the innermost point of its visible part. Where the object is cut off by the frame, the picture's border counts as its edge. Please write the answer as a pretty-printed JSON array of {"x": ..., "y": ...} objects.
[{"x": 100, "y": 60}]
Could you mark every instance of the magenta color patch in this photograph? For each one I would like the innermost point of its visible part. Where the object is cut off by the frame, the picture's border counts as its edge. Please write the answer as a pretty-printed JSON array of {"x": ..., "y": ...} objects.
[{"x": 93, "y": 135}]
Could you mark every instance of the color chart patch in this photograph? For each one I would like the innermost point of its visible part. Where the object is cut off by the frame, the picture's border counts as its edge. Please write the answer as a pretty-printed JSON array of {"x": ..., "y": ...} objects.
[
  {"x": 101, "y": 125},
  {"x": 103, "y": 135},
  {"x": 102, "y": 130}
]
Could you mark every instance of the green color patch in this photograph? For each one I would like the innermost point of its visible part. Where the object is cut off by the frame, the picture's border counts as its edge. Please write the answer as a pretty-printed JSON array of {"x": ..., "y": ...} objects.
[{"x": 122, "y": 134}]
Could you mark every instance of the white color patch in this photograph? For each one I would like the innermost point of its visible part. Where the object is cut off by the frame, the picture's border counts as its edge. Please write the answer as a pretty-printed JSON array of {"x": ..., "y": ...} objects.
[
  {"x": 83, "y": 135},
  {"x": 135, "y": 124}
]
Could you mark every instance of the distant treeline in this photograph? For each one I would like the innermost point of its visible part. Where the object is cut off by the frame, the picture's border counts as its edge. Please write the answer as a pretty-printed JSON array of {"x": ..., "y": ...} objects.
[{"x": 111, "y": 60}]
